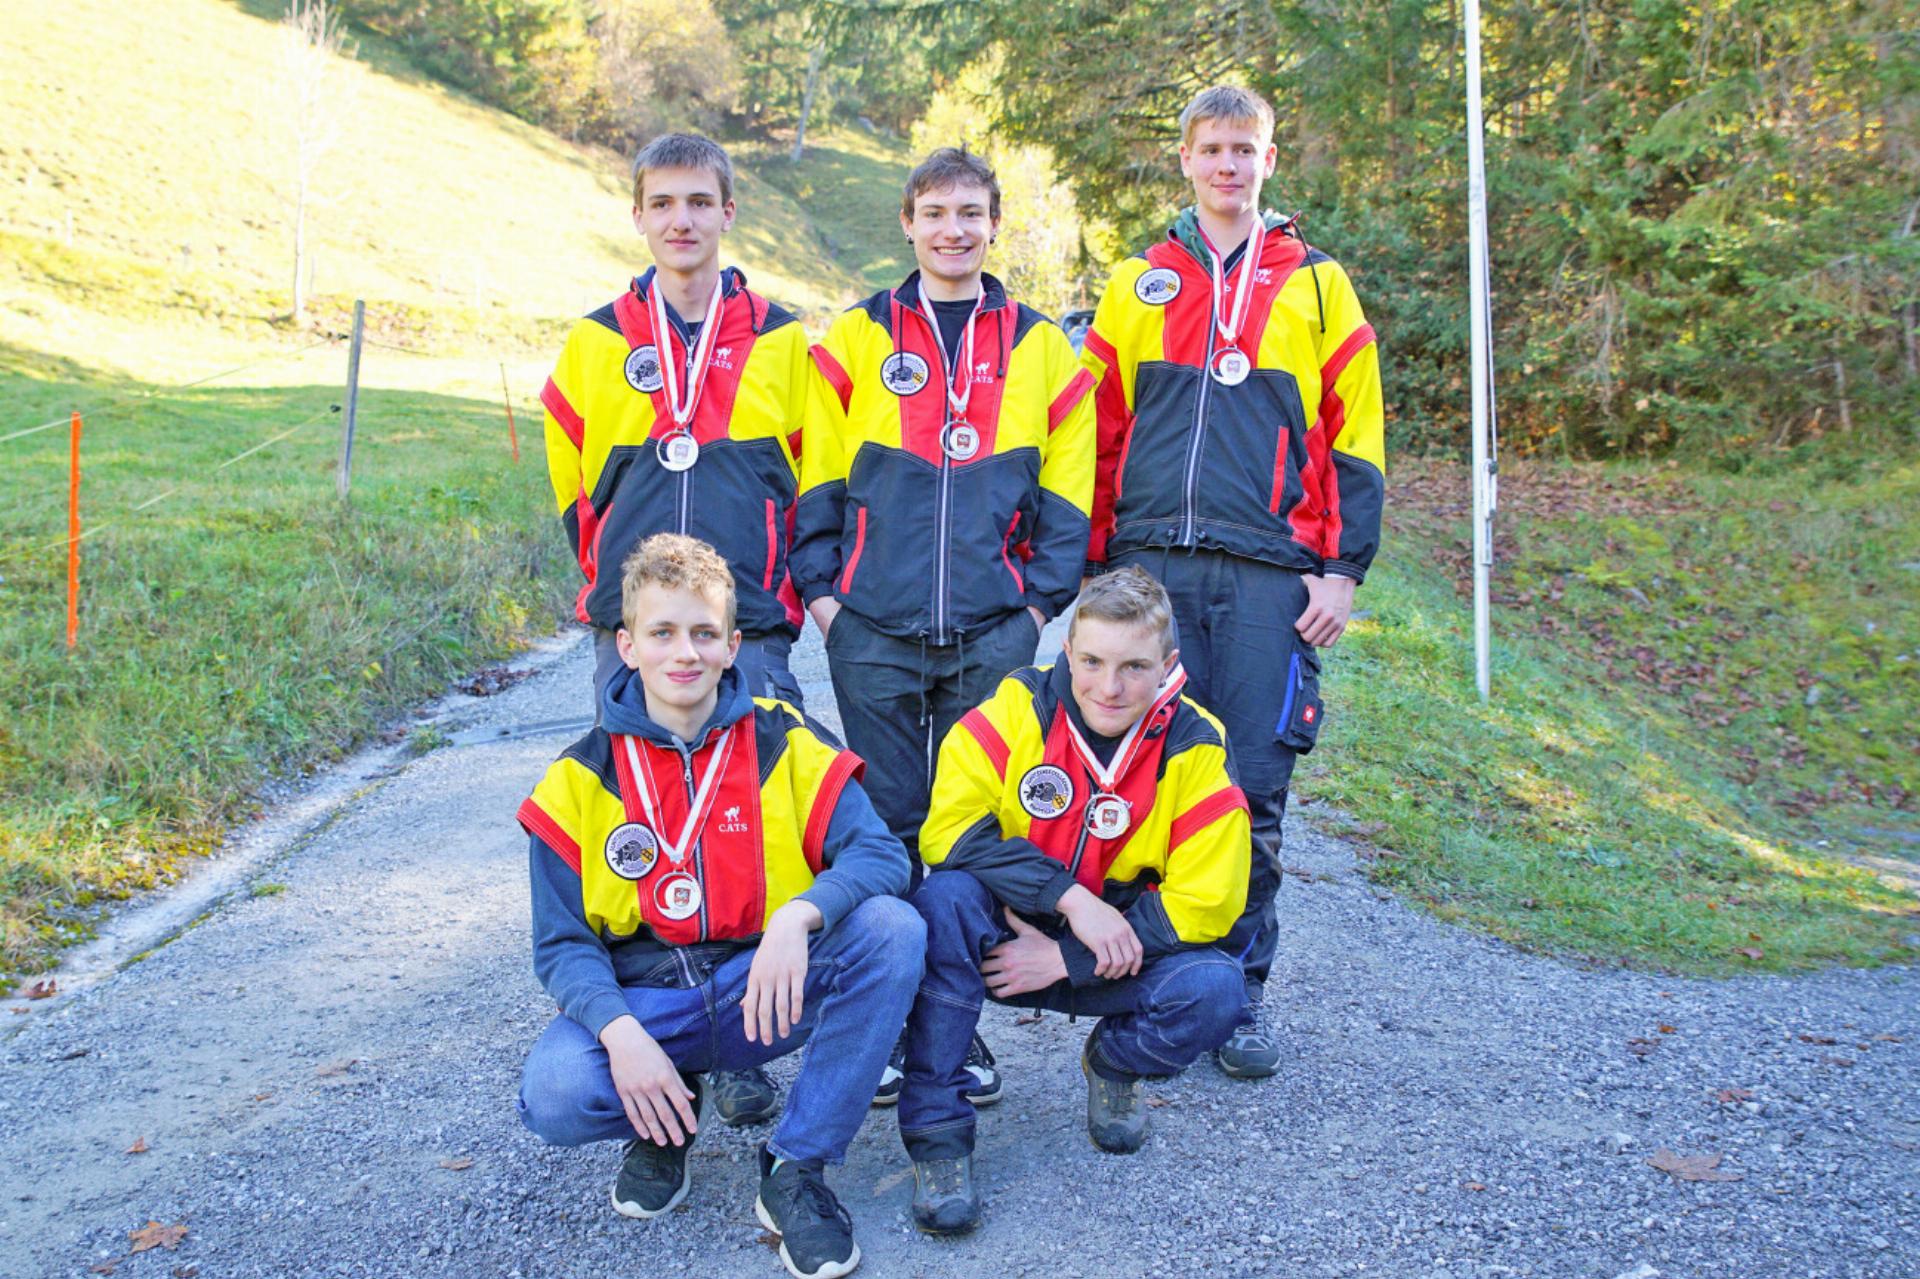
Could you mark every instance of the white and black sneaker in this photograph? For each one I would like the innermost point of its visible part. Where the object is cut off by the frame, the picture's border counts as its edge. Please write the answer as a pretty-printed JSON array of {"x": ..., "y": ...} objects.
[
  {"x": 816, "y": 1232},
  {"x": 985, "y": 1090},
  {"x": 887, "y": 1093},
  {"x": 654, "y": 1178}
]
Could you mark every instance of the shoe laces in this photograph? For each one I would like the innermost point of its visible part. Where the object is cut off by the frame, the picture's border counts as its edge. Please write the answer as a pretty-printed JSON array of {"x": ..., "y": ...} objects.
[
  {"x": 978, "y": 1054},
  {"x": 654, "y": 1159},
  {"x": 808, "y": 1192},
  {"x": 943, "y": 1177}
]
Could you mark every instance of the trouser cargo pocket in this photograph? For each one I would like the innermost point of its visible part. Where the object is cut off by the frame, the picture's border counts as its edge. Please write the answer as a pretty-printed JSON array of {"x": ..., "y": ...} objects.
[{"x": 1300, "y": 714}]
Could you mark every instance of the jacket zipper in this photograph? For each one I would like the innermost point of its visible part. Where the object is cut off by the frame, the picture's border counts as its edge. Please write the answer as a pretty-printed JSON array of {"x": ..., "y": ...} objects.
[
  {"x": 942, "y": 516},
  {"x": 1080, "y": 840},
  {"x": 686, "y": 500},
  {"x": 699, "y": 850},
  {"x": 1195, "y": 438}
]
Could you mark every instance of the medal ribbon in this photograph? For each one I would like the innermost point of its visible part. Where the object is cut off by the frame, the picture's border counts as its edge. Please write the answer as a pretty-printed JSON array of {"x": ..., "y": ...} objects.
[
  {"x": 1105, "y": 775},
  {"x": 957, "y": 399},
  {"x": 696, "y": 358},
  {"x": 1229, "y": 329},
  {"x": 697, "y": 810}
]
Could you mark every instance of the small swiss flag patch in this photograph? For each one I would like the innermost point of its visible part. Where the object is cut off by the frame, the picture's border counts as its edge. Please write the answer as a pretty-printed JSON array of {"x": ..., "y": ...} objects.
[{"x": 1307, "y": 714}]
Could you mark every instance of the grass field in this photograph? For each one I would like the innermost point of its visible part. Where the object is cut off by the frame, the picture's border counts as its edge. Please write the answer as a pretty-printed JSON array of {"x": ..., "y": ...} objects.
[{"x": 1655, "y": 780}]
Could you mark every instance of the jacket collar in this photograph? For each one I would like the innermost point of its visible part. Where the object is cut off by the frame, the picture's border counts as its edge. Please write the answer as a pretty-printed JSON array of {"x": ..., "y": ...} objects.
[
  {"x": 994, "y": 292},
  {"x": 1186, "y": 232},
  {"x": 623, "y": 709}
]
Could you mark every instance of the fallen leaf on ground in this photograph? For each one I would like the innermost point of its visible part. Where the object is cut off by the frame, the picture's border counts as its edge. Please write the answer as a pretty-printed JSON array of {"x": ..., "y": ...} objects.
[
  {"x": 1641, "y": 1047},
  {"x": 1751, "y": 952},
  {"x": 1300, "y": 873},
  {"x": 43, "y": 989},
  {"x": 261, "y": 1096},
  {"x": 1816, "y": 1039},
  {"x": 457, "y": 1165},
  {"x": 19, "y": 1012},
  {"x": 185, "y": 1272},
  {"x": 1667, "y": 1030},
  {"x": 1026, "y": 1019},
  {"x": 1690, "y": 1167},
  {"x": 771, "y": 1240},
  {"x": 1473, "y": 1185},
  {"x": 139, "y": 1146},
  {"x": 1889, "y": 1039},
  {"x": 1156, "y": 1102},
  {"x": 1727, "y": 1096},
  {"x": 340, "y": 1067},
  {"x": 1839, "y": 1061},
  {"x": 155, "y": 1235},
  {"x": 106, "y": 1267}
]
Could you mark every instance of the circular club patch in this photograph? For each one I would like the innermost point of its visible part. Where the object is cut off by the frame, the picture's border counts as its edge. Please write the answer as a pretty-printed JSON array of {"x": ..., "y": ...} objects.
[
  {"x": 903, "y": 373},
  {"x": 1157, "y": 287},
  {"x": 643, "y": 369},
  {"x": 632, "y": 850},
  {"x": 1045, "y": 791}
]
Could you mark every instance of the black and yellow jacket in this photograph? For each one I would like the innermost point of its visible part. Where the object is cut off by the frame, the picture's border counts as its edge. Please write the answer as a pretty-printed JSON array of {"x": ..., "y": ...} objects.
[
  {"x": 1009, "y": 806},
  {"x": 911, "y": 540},
  {"x": 790, "y": 820},
  {"x": 606, "y": 472},
  {"x": 1288, "y": 466}
]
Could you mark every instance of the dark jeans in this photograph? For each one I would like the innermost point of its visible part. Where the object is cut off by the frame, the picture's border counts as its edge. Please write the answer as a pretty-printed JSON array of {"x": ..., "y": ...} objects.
[
  {"x": 762, "y": 662},
  {"x": 899, "y": 697},
  {"x": 1235, "y": 620},
  {"x": 861, "y": 977},
  {"x": 1179, "y": 1006}
]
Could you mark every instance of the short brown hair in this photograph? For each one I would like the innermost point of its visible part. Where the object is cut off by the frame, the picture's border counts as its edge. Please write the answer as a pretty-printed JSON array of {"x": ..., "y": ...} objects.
[
  {"x": 683, "y": 151},
  {"x": 678, "y": 563},
  {"x": 947, "y": 167},
  {"x": 1226, "y": 102},
  {"x": 1129, "y": 596}
]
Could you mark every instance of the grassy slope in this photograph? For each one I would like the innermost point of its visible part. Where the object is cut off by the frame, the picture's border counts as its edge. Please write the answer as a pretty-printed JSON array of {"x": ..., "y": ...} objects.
[
  {"x": 1652, "y": 782},
  {"x": 246, "y": 624}
]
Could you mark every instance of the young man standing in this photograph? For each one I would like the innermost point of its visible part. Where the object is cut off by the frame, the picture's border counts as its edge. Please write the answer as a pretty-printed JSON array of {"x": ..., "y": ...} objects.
[
  {"x": 677, "y": 408},
  {"x": 697, "y": 850},
  {"x": 1241, "y": 462},
  {"x": 944, "y": 493},
  {"x": 1091, "y": 798}
]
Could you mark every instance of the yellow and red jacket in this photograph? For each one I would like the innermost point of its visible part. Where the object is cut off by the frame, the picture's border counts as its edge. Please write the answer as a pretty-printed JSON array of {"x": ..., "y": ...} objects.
[
  {"x": 738, "y": 497},
  {"x": 1010, "y": 800},
  {"x": 1286, "y": 467},
  {"x": 913, "y": 541},
  {"x": 787, "y": 819}
]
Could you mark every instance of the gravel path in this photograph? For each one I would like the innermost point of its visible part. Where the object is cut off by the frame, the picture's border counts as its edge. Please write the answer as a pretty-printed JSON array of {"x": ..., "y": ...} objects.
[{"x": 311, "y": 1070}]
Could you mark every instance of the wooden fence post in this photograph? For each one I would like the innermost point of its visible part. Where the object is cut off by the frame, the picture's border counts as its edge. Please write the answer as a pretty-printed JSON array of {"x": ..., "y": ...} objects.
[
  {"x": 345, "y": 478},
  {"x": 73, "y": 532},
  {"x": 513, "y": 436}
]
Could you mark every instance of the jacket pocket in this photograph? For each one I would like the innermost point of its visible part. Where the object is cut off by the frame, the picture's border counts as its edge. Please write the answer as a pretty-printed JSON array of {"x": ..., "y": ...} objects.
[
  {"x": 853, "y": 554},
  {"x": 1300, "y": 714}
]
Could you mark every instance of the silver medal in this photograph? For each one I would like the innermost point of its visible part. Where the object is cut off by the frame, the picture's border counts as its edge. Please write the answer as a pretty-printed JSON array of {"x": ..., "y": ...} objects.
[
  {"x": 1108, "y": 817},
  {"x": 1230, "y": 367},
  {"x": 679, "y": 452},
  {"x": 677, "y": 896},
  {"x": 959, "y": 441}
]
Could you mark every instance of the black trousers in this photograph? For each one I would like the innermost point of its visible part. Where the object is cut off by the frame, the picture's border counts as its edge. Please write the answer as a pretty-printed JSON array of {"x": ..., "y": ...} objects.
[
  {"x": 1235, "y": 620},
  {"x": 899, "y": 697}
]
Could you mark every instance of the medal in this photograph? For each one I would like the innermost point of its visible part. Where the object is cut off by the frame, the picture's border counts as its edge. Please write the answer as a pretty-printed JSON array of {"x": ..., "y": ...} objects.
[
  {"x": 679, "y": 452},
  {"x": 678, "y": 895},
  {"x": 1108, "y": 817},
  {"x": 1231, "y": 365},
  {"x": 1230, "y": 368},
  {"x": 959, "y": 441}
]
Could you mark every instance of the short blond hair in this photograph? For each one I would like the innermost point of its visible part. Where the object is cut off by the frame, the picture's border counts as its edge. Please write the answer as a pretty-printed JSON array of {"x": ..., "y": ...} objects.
[
  {"x": 677, "y": 563},
  {"x": 1226, "y": 102},
  {"x": 1129, "y": 596}
]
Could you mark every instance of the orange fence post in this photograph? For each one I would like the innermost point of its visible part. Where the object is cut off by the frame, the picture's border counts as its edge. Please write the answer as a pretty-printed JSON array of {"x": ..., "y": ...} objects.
[
  {"x": 513, "y": 436},
  {"x": 73, "y": 533}
]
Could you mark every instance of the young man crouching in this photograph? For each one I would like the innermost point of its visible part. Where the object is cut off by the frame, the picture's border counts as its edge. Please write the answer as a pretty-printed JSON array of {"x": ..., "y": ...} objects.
[
  {"x": 1085, "y": 846},
  {"x": 701, "y": 849}
]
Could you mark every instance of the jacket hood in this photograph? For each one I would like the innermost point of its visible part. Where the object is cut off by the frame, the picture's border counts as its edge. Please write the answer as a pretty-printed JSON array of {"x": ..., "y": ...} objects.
[
  {"x": 1185, "y": 230},
  {"x": 623, "y": 708},
  {"x": 993, "y": 293}
]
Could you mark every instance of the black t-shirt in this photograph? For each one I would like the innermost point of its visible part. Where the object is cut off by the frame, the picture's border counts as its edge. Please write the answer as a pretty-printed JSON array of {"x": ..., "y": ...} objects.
[{"x": 950, "y": 318}]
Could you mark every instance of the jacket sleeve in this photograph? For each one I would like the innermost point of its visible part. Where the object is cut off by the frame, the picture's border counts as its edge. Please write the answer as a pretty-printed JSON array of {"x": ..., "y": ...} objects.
[
  {"x": 824, "y": 459},
  {"x": 569, "y": 957},
  {"x": 1351, "y": 412},
  {"x": 1209, "y": 858},
  {"x": 566, "y": 429},
  {"x": 862, "y": 858},
  {"x": 1112, "y": 396},
  {"x": 1059, "y": 538},
  {"x": 963, "y": 832}
]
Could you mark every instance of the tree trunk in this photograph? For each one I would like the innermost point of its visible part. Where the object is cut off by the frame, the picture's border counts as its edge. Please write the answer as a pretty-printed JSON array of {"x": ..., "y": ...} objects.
[{"x": 806, "y": 100}]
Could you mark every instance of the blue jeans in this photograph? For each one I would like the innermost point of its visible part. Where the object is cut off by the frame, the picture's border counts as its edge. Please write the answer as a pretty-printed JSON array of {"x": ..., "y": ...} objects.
[
  {"x": 1156, "y": 1023},
  {"x": 861, "y": 977}
]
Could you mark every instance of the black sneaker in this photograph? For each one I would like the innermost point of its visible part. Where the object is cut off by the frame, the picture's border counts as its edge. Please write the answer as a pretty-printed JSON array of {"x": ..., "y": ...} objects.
[
  {"x": 945, "y": 1201},
  {"x": 888, "y": 1091},
  {"x": 1116, "y": 1111},
  {"x": 1251, "y": 1051},
  {"x": 985, "y": 1090},
  {"x": 744, "y": 1096},
  {"x": 816, "y": 1234},
  {"x": 654, "y": 1179}
]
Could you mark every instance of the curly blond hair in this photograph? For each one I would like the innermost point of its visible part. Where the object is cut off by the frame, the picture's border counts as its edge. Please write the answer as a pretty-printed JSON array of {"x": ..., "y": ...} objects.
[{"x": 678, "y": 563}]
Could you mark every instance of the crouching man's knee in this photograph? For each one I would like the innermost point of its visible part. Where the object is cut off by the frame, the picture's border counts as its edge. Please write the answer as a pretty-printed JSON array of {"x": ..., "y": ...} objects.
[
  {"x": 567, "y": 1098},
  {"x": 889, "y": 936},
  {"x": 1207, "y": 997}
]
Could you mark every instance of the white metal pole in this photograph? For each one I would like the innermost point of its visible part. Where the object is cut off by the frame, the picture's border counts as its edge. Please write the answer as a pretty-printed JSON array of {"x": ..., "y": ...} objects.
[{"x": 1477, "y": 353}]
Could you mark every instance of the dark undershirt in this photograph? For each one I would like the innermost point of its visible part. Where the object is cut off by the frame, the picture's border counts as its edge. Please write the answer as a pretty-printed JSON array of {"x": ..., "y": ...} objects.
[
  {"x": 1102, "y": 747},
  {"x": 950, "y": 319}
]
